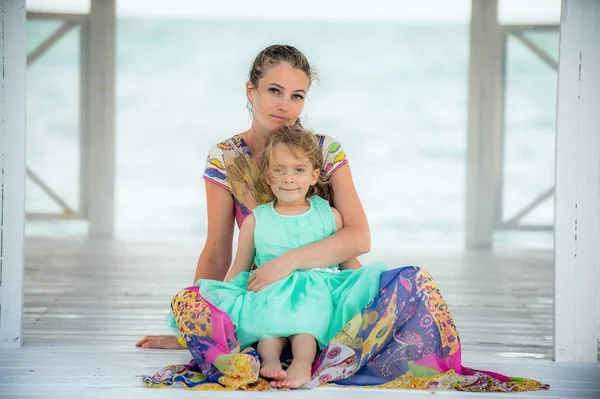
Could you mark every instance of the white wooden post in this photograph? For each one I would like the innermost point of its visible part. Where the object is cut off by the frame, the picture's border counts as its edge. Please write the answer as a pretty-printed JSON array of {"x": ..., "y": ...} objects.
[
  {"x": 577, "y": 202},
  {"x": 12, "y": 170},
  {"x": 98, "y": 117},
  {"x": 485, "y": 126}
]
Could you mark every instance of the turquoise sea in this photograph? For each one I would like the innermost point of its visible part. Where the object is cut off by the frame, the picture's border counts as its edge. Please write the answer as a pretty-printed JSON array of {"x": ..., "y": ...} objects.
[{"x": 395, "y": 95}]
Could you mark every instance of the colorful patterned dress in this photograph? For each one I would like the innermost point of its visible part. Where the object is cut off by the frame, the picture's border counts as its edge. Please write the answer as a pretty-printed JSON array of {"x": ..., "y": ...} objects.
[
  {"x": 404, "y": 338},
  {"x": 230, "y": 165}
]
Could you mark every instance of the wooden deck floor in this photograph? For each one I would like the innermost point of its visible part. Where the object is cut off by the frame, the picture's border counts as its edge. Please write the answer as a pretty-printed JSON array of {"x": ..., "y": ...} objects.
[{"x": 88, "y": 302}]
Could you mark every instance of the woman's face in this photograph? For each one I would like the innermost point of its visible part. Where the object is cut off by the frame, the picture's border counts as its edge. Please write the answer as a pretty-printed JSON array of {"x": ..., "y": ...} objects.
[{"x": 279, "y": 98}]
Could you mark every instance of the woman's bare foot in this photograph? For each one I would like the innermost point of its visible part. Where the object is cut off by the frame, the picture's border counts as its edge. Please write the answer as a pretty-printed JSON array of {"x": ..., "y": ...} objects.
[
  {"x": 298, "y": 374},
  {"x": 271, "y": 368},
  {"x": 159, "y": 342}
]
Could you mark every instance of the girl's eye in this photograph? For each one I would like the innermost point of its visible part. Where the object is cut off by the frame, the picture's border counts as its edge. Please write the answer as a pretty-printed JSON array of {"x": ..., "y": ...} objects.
[
  {"x": 299, "y": 170},
  {"x": 297, "y": 97},
  {"x": 273, "y": 90}
]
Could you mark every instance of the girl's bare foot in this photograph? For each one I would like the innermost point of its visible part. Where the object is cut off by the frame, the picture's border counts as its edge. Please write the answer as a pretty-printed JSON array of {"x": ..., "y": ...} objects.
[
  {"x": 269, "y": 350},
  {"x": 298, "y": 374},
  {"x": 271, "y": 368}
]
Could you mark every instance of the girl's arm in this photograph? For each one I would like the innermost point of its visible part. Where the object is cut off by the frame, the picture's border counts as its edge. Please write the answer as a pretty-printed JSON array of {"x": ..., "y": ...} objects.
[
  {"x": 215, "y": 258},
  {"x": 245, "y": 251}
]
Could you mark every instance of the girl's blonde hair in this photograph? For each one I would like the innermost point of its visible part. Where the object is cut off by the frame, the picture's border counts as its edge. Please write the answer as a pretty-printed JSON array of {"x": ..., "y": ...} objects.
[{"x": 301, "y": 142}]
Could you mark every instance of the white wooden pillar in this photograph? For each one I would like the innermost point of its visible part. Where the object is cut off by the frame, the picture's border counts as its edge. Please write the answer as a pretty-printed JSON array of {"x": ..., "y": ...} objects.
[
  {"x": 485, "y": 126},
  {"x": 13, "y": 57},
  {"x": 577, "y": 201},
  {"x": 98, "y": 117}
]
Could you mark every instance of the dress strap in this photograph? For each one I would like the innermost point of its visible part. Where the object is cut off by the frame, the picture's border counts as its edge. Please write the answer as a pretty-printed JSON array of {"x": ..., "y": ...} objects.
[{"x": 323, "y": 209}]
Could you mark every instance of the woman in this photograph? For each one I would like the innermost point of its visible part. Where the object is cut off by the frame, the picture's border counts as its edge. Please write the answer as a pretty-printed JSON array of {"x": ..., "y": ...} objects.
[
  {"x": 278, "y": 83},
  {"x": 405, "y": 338}
]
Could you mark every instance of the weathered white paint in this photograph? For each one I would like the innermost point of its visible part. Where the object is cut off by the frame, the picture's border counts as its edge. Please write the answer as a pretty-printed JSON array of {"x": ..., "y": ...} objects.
[
  {"x": 12, "y": 169},
  {"x": 98, "y": 124},
  {"x": 577, "y": 205},
  {"x": 485, "y": 126}
]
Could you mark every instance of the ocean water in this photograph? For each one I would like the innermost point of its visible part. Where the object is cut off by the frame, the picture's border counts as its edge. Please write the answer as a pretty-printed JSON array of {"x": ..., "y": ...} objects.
[{"x": 394, "y": 95}]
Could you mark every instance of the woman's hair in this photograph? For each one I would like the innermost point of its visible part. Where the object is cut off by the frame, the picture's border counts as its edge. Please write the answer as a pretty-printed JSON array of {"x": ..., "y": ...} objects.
[
  {"x": 273, "y": 56},
  {"x": 276, "y": 54},
  {"x": 301, "y": 142}
]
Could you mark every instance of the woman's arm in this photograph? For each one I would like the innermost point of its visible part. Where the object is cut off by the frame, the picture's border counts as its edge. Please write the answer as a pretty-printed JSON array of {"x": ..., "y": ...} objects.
[
  {"x": 350, "y": 242},
  {"x": 245, "y": 251},
  {"x": 351, "y": 264},
  {"x": 215, "y": 258}
]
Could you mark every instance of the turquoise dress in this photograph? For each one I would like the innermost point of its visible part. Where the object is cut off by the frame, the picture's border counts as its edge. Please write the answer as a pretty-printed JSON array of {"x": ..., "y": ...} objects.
[{"x": 315, "y": 301}]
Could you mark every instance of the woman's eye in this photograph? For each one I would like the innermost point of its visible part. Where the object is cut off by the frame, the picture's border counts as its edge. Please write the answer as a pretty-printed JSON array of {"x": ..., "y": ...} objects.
[
  {"x": 273, "y": 90},
  {"x": 297, "y": 97}
]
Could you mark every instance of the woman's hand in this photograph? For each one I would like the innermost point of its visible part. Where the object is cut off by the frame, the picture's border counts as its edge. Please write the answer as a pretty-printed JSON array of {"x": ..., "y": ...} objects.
[
  {"x": 271, "y": 271},
  {"x": 159, "y": 342}
]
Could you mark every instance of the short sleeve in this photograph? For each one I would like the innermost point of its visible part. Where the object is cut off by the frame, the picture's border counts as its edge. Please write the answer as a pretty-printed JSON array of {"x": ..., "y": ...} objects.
[
  {"x": 214, "y": 170},
  {"x": 334, "y": 155}
]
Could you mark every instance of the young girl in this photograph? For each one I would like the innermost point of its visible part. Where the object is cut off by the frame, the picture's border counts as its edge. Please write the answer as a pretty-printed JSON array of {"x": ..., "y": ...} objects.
[{"x": 309, "y": 306}]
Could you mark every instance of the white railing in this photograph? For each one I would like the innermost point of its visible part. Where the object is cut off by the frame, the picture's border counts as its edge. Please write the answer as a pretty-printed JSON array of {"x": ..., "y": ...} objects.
[
  {"x": 518, "y": 32},
  {"x": 486, "y": 127},
  {"x": 96, "y": 117},
  {"x": 69, "y": 21}
]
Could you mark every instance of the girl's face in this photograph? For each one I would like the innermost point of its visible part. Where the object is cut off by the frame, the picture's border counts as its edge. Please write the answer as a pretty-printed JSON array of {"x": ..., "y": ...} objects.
[
  {"x": 290, "y": 176},
  {"x": 279, "y": 98}
]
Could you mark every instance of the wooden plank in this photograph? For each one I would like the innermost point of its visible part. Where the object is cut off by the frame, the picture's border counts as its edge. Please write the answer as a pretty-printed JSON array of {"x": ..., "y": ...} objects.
[
  {"x": 12, "y": 170},
  {"x": 91, "y": 370},
  {"x": 87, "y": 302},
  {"x": 577, "y": 202},
  {"x": 513, "y": 315}
]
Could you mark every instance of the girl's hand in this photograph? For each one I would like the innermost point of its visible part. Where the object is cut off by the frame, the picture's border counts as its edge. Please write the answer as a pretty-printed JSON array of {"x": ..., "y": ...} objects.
[
  {"x": 159, "y": 342},
  {"x": 274, "y": 270}
]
